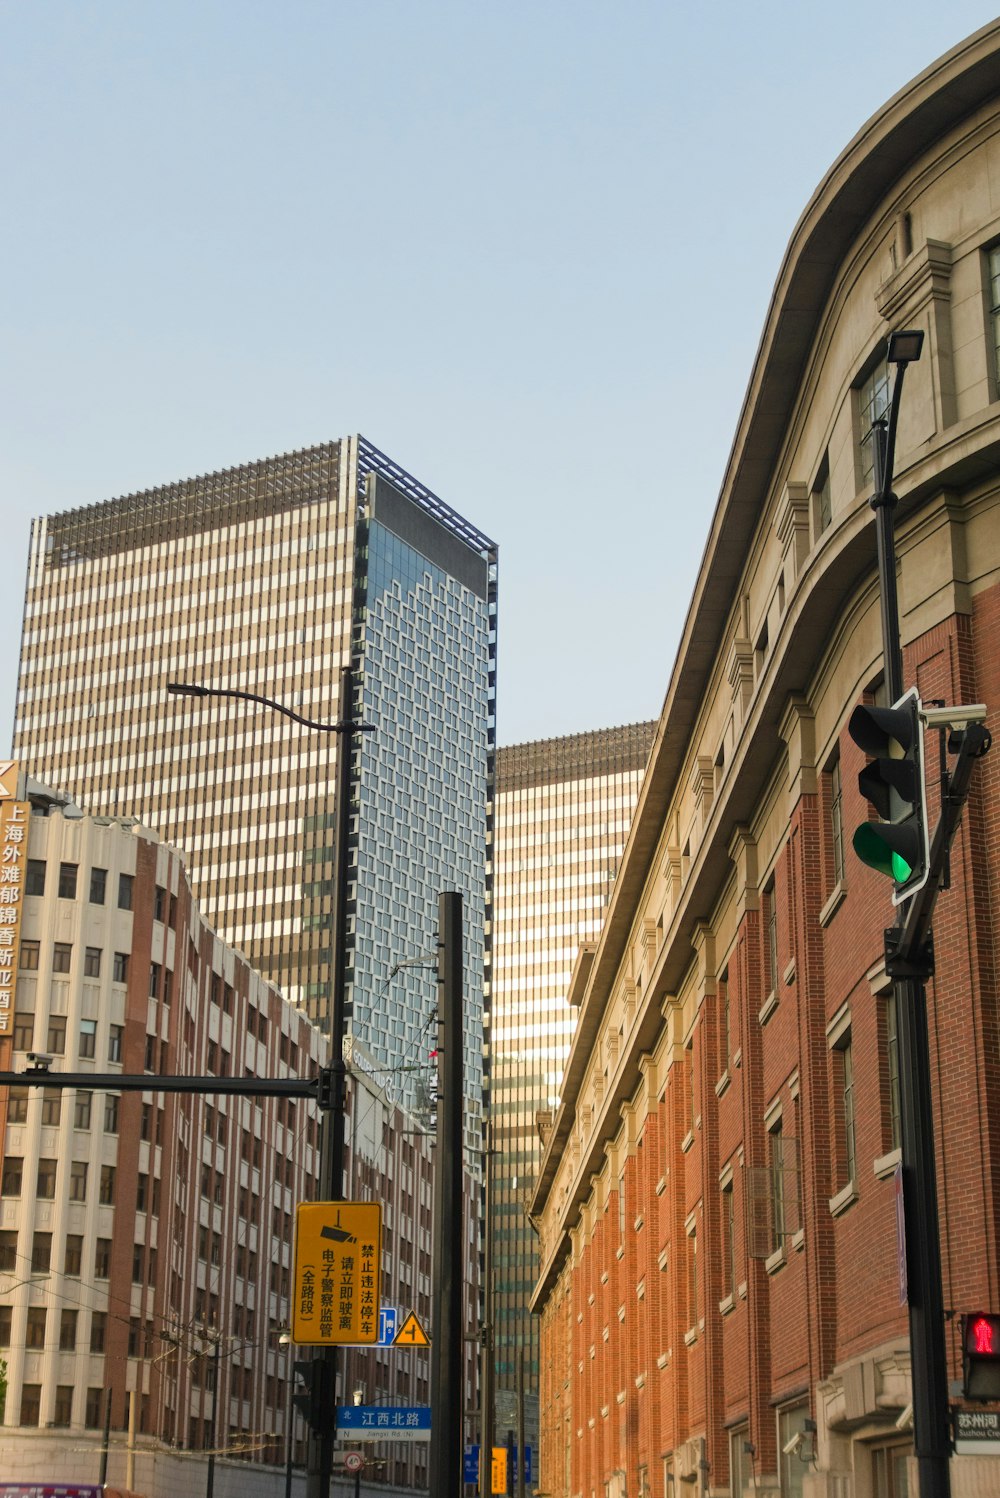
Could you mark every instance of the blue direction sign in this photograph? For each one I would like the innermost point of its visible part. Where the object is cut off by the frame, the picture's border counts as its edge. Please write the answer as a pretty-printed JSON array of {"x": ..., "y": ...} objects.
[
  {"x": 387, "y": 1317},
  {"x": 382, "y": 1422},
  {"x": 471, "y": 1466}
]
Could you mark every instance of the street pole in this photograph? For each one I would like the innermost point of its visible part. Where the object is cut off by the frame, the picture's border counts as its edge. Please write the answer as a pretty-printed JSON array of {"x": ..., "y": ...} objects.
[
  {"x": 106, "y": 1443},
  {"x": 332, "y": 1132},
  {"x": 447, "y": 1282},
  {"x": 521, "y": 1464},
  {"x": 319, "y": 1464},
  {"x": 928, "y": 1358},
  {"x": 286, "y": 1340},
  {"x": 486, "y": 1364},
  {"x": 210, "y": 1485}
]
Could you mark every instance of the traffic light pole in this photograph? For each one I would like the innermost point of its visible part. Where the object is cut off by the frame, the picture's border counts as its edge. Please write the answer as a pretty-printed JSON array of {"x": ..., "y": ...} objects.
[{"x": 909, "y": 963}]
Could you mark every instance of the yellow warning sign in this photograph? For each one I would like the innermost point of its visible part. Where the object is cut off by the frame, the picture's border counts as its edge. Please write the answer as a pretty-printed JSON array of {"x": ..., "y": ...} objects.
[
  {"x": 499, "y": 1472},
  {"x": 338, "y": 1254},
  {"x": 411, "y": 1333}
]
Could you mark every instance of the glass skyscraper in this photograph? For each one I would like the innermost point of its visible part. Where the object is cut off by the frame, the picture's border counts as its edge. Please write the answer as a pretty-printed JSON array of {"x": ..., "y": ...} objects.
[
  {"x": 269, "y": 578},
  {"x": 563, "y": 810}
]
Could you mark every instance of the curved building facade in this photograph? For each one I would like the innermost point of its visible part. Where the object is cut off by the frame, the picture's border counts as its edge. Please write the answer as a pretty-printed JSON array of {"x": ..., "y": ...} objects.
[{"x": 719, "y": 1291}]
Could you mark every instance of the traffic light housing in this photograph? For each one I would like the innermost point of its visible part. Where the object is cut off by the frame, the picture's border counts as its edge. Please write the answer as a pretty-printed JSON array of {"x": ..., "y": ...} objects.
[
  {"x": 981, "y": 1355},
  {"x": 893, "y": 782},
  {"x": 310, "y": 1400}
]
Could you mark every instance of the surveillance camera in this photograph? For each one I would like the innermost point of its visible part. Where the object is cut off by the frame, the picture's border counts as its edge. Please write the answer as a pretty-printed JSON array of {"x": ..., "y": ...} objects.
[
  {"x": 38, "y": 1061},
  {"x": 905, "y": 1417},
  {"x": 790, "y": 1447}
]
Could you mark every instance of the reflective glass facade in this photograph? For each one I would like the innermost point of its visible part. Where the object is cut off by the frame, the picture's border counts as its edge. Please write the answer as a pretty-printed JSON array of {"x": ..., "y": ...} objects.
[
  {"x": 563, "y": 811},
  {"x": 424, "y": 672}
]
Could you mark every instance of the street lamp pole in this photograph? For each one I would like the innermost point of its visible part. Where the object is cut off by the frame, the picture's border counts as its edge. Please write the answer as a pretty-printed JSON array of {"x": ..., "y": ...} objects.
[
  {"x": 925, "y": 1295},
  {"x": 285, "y": 1340},
  {"x": 319, "y": 1471}
]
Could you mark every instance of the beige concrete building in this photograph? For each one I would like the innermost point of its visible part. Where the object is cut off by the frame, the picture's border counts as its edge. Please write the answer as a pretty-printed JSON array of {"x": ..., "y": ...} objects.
[{"x": 719, "y": 1290}]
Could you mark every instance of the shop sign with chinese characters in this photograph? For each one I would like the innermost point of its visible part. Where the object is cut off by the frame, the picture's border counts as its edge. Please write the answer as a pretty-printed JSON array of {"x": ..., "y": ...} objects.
[
  {"x": 338, "y": 1258},
  {"x": 13, "y": 862}
]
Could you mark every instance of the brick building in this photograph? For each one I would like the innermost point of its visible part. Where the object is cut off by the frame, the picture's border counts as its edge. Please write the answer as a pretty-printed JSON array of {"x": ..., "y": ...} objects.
[{"x": 719, "y": 1292}]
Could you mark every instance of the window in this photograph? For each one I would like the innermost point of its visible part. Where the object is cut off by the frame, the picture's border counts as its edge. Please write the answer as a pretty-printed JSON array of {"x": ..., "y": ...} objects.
[
  {"x": 842, "y": 1080},
  {"x": 78, "y": 1181},
  {"x": 115, "y": 1034},
  {"x": 822, "y": 504},
  {"x": 98, "y": 1329},
  {"x": 137, "y": 1266},
  {"x": 873, "y": 404},
  {"x": 729, "y": 1231},
  {"x": 41, "y": 1253},
  {"x": 835, "y": 789},
  {"x": 794, "y": 1463},
  {"x": 993, "y": 268},
  {"x": 98, "y": 886},
  {"x": 107, "y": 1191},
  {"x": 890, "y": 1471},
  {"x": 102, "y": 1259},
  {"x": 846, "y": 1052},
  {"x": 31, "y": 1404},
  {"x": 111, "y": 1113},
  {"x": 28, "y": 957},
  {"x": 775, "y": 1144},
  {"x": 34, "y": 1334},
  {"x": 892, "y": 1059},
  {"x": 46, "y": 1181},
  {"x": 62, "y": 953},
  {"x": 725, "y": 1021},
  {"x": 92, "y": 1416},
  {"x": 55, "y": 1039},
  {"x": 88, "y": 1037},
  {"x": 17, "y": 1105},
  {"x": 119, "y": 968},
  {"x": 154, "y": 979},
  {"x": 159, "y": 903},
  {"x": 63, "y": 1410},
  {"x": 739, "y": 1461},
  {"x": 692, "y": 1264},
  {"x": 24, "y": 1031},
  {"x": 8, "y": 1251},
  {"x": 67, "y": 881},
  {"x": 771, "y": 908},
  {"x": 34, "y": 879},
  {"x": 82, "y": 1108},
  {"x": 92, "y": 962},
  {"x": 67, "y": 1331},
  {"x": 125, "y": 883},
  {"x": 141, "y": 1191},
  {"x": 6, "y": 1316},
  {"x": 73, "y": 1255}
]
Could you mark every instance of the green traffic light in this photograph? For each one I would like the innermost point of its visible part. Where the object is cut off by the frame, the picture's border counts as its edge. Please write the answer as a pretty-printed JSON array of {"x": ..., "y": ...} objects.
[
  {"x": 901, "y": 870},
  {"x": 873, "y": 843}
]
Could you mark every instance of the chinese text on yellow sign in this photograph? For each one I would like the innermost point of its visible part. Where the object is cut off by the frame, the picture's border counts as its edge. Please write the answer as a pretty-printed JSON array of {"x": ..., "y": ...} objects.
[{"x": 338, "y": 1258}]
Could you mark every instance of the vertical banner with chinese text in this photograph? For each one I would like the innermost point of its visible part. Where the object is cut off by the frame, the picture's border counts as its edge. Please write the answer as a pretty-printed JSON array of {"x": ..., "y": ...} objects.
[{"x": 13, "y": 861}]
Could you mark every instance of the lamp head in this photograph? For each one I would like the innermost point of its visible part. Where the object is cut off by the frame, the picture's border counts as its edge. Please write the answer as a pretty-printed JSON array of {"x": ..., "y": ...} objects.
[
  {"x": 186, "y": 689},
  {"x": 905, "y": 347}
]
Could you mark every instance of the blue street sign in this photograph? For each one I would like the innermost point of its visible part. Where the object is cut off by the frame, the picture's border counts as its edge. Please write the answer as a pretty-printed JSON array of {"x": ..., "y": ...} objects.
[
  {"x": 383, "y": 1422},
  {"x": 471, "y": 1467},
  {"x": 387, "y": 1325}
]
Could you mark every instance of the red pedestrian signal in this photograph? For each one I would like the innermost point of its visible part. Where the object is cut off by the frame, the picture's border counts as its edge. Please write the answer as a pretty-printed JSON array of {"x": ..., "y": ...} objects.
[{"x": 981, "y": 1355}]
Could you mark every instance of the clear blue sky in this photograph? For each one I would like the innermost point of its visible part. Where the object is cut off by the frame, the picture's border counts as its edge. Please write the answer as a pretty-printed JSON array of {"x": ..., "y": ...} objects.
[{"x": 525, "y": 248}]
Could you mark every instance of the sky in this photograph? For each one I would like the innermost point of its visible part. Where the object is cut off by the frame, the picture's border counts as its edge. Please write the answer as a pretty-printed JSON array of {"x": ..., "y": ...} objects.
[{"x": 526, "y": 249}]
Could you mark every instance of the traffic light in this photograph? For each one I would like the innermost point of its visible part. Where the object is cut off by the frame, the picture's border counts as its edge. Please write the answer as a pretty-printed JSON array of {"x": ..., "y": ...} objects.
[
  {"x": 310, "y": 1400},
  {"x": 981, "y": 1355},
  {"x": 894, "y": 784}
]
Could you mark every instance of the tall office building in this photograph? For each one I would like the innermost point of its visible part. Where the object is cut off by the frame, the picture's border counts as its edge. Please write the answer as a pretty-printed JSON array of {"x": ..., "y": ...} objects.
[
  {"x": 563, "y": 810},
  {"x": 269, "y": 578}
]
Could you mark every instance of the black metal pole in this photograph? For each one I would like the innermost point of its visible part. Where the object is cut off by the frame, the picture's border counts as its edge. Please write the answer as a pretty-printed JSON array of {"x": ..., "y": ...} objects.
[
  {"x": 289, "y": 1417},
  {"x": 487, "y": 1368},
  {"x": 107, "y": 1441},
  {"x": 332, "y": 1132},
  {"x": 447, "y": 1373},
  {"x": 210, "y": 1483},
  {"x": 928, "y": 1360}
]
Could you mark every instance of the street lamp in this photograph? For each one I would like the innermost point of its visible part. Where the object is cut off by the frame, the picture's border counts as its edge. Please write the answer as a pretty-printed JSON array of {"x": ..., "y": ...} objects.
[
  {"x": 332, "y": 1139},
  {"x": 909, "y": 971}
]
